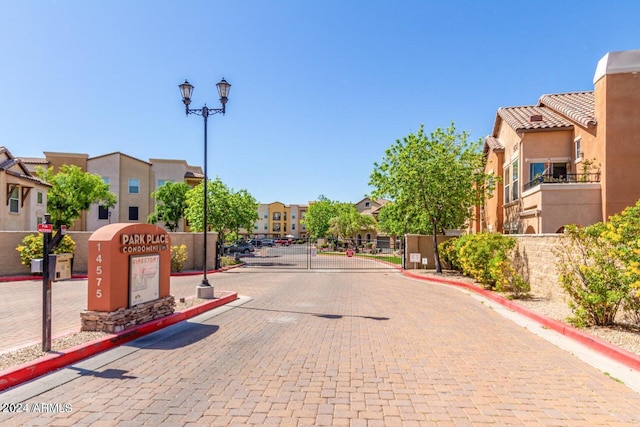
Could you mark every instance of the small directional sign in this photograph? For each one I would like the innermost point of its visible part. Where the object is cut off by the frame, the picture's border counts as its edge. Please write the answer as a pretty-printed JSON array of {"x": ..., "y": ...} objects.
[{"x": 45, "y": 228}]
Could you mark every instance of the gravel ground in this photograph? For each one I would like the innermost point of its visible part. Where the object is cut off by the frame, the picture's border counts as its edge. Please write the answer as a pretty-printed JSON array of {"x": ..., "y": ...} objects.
[{"x": 621, "y": 335}]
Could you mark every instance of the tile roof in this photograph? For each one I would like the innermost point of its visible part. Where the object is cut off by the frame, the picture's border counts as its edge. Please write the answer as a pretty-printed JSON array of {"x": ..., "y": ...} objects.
[
  {"x": 191, "y": 174},
  {"x": 493, "y": 143},
  {"x": 578, "y": 106},
  {"x": 34, "y": 160},
  {"x": 528, "y": 118}
]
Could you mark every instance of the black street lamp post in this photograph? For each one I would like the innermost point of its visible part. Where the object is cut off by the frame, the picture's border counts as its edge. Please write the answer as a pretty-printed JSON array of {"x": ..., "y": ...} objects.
[{"x": 186, "y": 89}]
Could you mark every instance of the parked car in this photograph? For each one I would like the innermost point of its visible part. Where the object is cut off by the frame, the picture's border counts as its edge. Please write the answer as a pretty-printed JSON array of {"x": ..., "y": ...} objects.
[
  {"x": 267, "y": 242},
  {"x": 241, "y": 247},
  {"x": 255, "y": 242},
  {"x": 282, "y": 241}
]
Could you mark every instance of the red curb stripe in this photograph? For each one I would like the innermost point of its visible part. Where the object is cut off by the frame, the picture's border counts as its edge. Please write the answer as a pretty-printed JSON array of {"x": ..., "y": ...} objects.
[
  {"x": 618, "y": 354},
  {"x": 28, "y": 371}
]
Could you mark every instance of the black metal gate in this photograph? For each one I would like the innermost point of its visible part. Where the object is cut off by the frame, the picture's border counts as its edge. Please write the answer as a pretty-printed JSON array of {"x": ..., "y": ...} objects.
[{"x": 306, "y": 255}]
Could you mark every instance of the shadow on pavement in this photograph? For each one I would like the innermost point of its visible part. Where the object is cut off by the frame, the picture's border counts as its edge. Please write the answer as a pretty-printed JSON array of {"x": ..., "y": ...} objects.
[{"x": 323, "y": 315}]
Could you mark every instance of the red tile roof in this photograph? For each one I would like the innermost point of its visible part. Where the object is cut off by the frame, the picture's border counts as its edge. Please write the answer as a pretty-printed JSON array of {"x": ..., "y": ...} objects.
[
  {"x": 528, "y": 118},
  {"x": 577, "y": 106}
]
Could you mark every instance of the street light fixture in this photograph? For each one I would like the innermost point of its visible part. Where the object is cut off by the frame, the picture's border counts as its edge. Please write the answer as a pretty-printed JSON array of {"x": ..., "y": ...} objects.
[{"x": 205, "y": 290}]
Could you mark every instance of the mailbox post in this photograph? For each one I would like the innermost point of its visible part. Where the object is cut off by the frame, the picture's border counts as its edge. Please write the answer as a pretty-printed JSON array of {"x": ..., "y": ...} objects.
[{"x": 49, "y": 244}]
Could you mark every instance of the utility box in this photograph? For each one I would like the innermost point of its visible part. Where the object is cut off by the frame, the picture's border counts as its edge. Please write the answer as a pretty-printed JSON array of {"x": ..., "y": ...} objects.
[
  {"x": 60, "y": 266},
  {"x": 36, "y": 265}
]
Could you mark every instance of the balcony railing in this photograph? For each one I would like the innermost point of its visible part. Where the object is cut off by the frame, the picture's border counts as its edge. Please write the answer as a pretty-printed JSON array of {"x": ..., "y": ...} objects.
[{"x": 570, "y": 178}]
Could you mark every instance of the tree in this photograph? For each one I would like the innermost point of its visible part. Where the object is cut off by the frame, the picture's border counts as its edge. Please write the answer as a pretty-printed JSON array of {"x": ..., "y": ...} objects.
[
  {"x": 434, "y": 180},
  {"x": 349, "y": 223},
  {"x": 318, "y": 215},
  {"x": 73, "y": 191},
  {"x": 171, "y": 202},
  {"x": 228, "y": 211}
]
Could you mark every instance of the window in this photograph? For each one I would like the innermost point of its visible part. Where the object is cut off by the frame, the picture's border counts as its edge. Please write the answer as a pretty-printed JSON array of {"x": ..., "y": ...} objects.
[
  {"x": 293, "y": 227},
  {"x": 507, "y": 185},
  {"x": 511, "y": 179},
  {"x": 285, "y": 216},
  {"x": 367, "y": 204},
  {"x": 40, "y": 197},
  {"x": 266, "y": 215},
  {"x": 276, "y": 216},
  {"x": 14, "y": 200},
  {"x": 536, "y": 170},
  {"x": 134, "y": 186},
  {"x": 578, "y": 146},
  {"x": 255, "y": 226},
  {"x": 514, "y": 180},
  {"x": 266, "y": 227},
  {"x": 276, "y": 227},
  {"x": 162, "y": 182},
  {"x": 293, "y": 216},
  {"x": 133, "y": 213},
  {"x": 103, "y": 212}
]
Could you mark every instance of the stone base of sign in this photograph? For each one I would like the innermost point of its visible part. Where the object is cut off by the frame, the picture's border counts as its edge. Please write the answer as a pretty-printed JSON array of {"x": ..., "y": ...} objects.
[
  {"x": 123, "y": 318},
  {"x": 204, "y": 292}
]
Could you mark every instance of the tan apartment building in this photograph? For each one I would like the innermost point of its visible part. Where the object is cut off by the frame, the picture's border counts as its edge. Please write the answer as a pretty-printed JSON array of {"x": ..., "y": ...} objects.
[
  {"x": 571, "y": 158},
  {"x": 132, "y": 181},
  {"x": 23, "y": 196},
  {"x": 279, "y": 220}
]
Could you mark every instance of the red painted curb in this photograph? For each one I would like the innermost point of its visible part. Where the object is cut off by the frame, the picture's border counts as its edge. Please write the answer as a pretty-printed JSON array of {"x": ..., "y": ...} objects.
[
  {"x": 28, "y": 371},
  {"x": 618, "y": 354}
]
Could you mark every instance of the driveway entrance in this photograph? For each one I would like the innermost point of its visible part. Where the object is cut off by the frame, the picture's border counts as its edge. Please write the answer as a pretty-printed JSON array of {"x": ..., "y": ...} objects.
[{"x": 306, "y": 256}]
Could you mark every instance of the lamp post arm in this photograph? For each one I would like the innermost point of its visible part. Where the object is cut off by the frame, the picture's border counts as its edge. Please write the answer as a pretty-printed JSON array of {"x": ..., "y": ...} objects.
[{"x": 204, "y": 111}]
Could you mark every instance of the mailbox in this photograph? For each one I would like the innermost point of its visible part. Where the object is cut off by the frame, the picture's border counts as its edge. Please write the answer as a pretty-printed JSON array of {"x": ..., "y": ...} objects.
[{"x": 60, "y": 266}]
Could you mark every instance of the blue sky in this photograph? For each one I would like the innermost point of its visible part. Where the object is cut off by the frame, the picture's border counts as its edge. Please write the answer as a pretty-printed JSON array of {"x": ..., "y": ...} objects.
[{"x": 319, "y": 88}]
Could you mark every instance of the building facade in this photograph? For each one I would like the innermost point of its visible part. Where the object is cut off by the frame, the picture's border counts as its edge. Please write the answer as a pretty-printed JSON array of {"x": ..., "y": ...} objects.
[
  {"x": 23, "y": 196},
  {"x": 569, "y": 159}
]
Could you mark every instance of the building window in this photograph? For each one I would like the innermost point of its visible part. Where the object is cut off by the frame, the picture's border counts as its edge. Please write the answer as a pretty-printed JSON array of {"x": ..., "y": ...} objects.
[
  {"x": 276, "y": 216},
  {"x": 578, "y": 145},
  {"x": 14, "y": 201},
  {"x": 40, "y": 197},
  {"x": 367, "y": 204},
  {"x": 507, "y": 185},
  {"x": 266, "y": 215},
  {"x": 134, "y": 186},
  {"x": 276, "y": 227},
  {"x": 266, "y": 227},
  {"x": 293, "y": 227},
  {"x": 103, "y": 212},
  {"x": 514, "y": 180},
  {"x": 293, "y": 216},
  {"x": 162, "y": 182},
  {"x": 133, "y": 213}
]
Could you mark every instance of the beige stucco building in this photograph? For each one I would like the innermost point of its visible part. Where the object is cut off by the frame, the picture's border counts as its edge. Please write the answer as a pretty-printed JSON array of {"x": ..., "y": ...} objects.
[
  {"x": 23, "y": 197},
  {"x": 571, "y": 158}
]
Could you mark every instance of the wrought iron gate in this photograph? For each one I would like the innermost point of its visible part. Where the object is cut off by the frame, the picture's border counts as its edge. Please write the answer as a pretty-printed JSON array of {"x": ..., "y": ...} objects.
[{"x": 306, "y": 256}]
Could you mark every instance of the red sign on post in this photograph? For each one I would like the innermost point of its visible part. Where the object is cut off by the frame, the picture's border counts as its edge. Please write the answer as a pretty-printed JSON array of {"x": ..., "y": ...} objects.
[
  {"x": 45, "y": 228},
  {"x": 349, "y": 252}
]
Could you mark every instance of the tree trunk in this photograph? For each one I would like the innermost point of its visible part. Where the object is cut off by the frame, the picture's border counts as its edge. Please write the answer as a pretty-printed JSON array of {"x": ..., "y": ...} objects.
[{"x": 436, "y": 253}]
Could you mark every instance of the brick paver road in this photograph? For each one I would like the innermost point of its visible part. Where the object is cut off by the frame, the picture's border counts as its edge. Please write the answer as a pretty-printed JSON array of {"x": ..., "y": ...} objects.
[{"x": 357, "y": 349}]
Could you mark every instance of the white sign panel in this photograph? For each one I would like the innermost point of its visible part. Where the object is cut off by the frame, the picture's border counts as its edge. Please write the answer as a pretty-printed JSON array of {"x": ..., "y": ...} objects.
[
  {"x": 414, "y": 257},
  {"x": 144, "y": 278}
]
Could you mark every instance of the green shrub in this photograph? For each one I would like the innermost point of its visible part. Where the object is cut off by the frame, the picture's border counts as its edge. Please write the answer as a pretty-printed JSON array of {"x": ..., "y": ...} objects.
[
  {"x": 449, "y": 255},
  {"x": 178, "y": 257},
  {"x": 476, "y": 253},
  {"x": 32, "y": 247},
  {"x": 592, "y": 275},
  {"x": 227, "y": 261}
]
